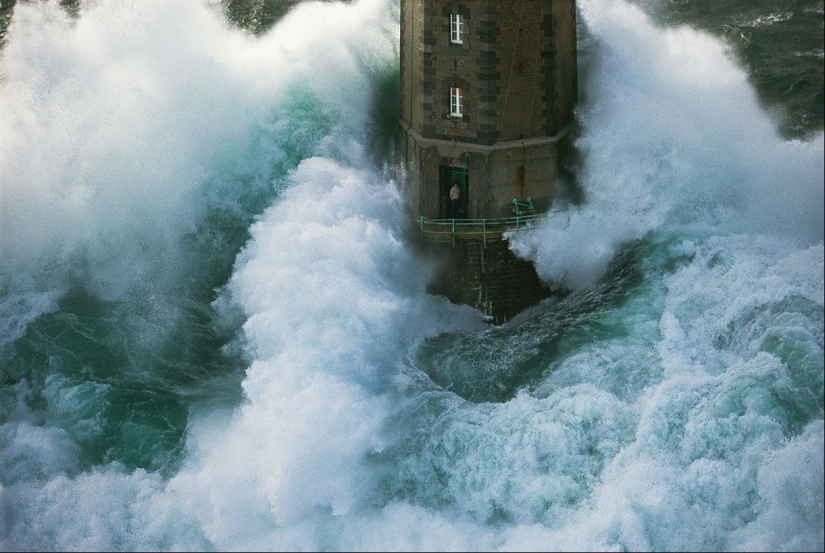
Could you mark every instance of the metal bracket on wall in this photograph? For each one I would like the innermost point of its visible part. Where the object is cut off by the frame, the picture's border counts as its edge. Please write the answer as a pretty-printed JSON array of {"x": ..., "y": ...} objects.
[{"x": 527, "y": 205}]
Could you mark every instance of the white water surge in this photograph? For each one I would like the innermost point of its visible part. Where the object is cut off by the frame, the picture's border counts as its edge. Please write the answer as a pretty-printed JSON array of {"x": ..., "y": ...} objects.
[{"x": 694, "y": 423}]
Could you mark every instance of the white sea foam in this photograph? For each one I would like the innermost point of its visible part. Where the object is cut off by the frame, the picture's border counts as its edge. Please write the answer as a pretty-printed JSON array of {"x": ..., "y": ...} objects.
[
  {"x": 333, "y": 298},
  {"x": 674, "y": 138},
  {"x": 116, "y": 126},
  {"x": 106, "y": 131},
  {"x": 342, "y": 443},
  {"x": 791, "y": 489}
]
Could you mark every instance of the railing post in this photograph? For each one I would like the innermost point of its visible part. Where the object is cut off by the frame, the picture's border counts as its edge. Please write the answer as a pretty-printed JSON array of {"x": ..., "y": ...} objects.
[{"x": 453, "y": 233}]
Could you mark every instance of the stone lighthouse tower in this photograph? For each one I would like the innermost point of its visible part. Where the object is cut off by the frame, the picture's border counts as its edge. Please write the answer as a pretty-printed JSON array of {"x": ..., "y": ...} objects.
[{"x": 486, "y": 97}]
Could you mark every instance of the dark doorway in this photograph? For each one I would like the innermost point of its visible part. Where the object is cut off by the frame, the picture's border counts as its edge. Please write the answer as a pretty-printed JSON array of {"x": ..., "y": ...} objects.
[{"x": 446, "y": 177}]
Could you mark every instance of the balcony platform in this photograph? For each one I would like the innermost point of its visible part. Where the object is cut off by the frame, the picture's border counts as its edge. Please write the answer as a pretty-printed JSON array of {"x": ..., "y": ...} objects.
[{"x": 479, "y": 230}]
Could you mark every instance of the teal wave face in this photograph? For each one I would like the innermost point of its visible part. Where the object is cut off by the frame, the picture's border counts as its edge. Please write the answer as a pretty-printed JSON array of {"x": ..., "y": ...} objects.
[
  {"x": 121, "y": 376},
  {"x": 259, "y": 366},
  {"x": 496, "y": 365}
]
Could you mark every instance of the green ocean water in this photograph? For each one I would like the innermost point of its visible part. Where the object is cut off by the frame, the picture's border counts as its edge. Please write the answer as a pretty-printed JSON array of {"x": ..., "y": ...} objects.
[{"x": 227, "y": 381}]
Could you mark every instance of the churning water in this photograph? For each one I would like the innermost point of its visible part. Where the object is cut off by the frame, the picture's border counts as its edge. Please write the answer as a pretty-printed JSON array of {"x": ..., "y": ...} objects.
[{"x": 215, "y": 331}]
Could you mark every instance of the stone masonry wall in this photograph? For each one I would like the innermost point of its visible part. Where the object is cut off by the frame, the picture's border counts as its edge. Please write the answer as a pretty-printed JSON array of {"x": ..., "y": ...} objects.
[
  {"x": 517, "y": 67},
  {"x": 490, "y": 278}
]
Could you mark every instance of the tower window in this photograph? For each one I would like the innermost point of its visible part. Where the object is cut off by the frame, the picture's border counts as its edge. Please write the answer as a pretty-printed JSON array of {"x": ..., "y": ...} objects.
[
  {"x": 456, "y": 28},
  {"x": 456, "y": 102}
]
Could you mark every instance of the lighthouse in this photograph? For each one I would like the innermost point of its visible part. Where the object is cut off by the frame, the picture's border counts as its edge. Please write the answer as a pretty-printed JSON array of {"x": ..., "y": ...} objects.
[{"x": 487, "y": 91}]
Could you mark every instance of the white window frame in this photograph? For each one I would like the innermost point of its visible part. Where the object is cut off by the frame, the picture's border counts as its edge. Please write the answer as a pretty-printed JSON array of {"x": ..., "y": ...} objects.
[
  {"x": 456, "y": 28},
  {"x": 456, "y": 101}
]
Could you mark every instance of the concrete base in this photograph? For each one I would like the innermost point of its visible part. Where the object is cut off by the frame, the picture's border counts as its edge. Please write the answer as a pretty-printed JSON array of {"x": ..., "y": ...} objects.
[{"x": 490, "y": 278}]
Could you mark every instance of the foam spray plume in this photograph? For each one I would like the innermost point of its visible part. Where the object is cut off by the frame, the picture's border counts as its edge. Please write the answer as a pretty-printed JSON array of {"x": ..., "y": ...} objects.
[
  {"x": 677, "y": 136},
  {"x": 155, "y": 143}
]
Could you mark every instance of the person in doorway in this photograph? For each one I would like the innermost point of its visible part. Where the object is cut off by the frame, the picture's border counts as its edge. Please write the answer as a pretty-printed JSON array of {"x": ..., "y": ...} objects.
[{"x": 455, "y": 194}]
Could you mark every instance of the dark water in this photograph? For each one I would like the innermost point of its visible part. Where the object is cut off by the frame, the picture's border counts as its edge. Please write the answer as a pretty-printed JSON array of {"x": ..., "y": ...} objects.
[{"x": 215, "y": 333}]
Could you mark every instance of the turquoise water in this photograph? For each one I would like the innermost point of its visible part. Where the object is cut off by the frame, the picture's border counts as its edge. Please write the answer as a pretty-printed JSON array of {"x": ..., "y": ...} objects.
[{"x": 216, "y": 333}]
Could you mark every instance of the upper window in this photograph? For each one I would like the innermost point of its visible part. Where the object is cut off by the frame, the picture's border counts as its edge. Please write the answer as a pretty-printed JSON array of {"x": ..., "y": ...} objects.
[
  {"x": 456, "y": 102},
  {"x": 456, "y": 28}
]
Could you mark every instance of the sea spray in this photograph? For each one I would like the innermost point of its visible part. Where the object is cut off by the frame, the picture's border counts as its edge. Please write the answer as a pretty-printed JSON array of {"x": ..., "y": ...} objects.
[
  {"x": 676, "y": 139},
  {"x": 674, "y": 401},
  {"x": 332, "y": 298}
]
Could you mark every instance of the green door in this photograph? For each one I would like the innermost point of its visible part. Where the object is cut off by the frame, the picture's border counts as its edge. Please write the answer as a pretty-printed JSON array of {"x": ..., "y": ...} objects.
[
  {"x": 446, "y": 177},
  {"x": 459, "y": 175}
]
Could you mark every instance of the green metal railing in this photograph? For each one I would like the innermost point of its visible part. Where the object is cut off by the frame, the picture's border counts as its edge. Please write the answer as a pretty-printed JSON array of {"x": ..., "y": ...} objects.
[{"x": 475, "y": 229}]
